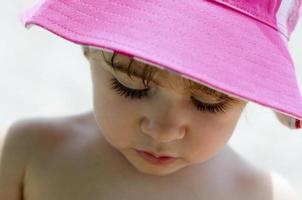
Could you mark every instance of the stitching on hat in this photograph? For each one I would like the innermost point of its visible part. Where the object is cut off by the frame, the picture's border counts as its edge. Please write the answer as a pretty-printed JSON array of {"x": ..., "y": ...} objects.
[
  {"x": 187, "y": 16},
  {"x": 144, "y": 11},
  {"x": 121, "y": 5},
  {"x": 278, "y": 74},
  {"x": 132, "y": 8},
  {"x": 99, "y": 10},
  {"x": 92, "y": 17},
  {"x": 252, "y": 12},
  {"x": 68, "y": 6},
  {"x": 97, "y": 19}
]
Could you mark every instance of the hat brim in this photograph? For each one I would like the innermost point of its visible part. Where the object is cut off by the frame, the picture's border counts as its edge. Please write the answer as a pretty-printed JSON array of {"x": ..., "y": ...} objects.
[{"x": 200, "y": 40}]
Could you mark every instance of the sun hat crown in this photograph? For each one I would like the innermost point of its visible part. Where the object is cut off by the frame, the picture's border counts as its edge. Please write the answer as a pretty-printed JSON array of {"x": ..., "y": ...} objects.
[{"x": 281, "y": 15}]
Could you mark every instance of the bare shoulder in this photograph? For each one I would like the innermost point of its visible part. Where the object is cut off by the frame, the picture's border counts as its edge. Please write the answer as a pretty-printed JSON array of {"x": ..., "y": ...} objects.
[
  {"x": 271, "y": 185},
  {"x": 32, "y": 134},
  {"x": 254, "y": 183},
  {"x": 27, "y": 140}
]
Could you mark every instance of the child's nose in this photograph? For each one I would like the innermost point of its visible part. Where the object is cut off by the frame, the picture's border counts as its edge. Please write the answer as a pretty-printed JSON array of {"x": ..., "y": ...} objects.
[
  {"x": 163, "y": 130},
  {"x": 165, "y": 123}
]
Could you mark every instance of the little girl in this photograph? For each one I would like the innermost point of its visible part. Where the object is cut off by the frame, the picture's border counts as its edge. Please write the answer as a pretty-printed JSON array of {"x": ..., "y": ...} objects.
[{"x": 170, "y": 81}]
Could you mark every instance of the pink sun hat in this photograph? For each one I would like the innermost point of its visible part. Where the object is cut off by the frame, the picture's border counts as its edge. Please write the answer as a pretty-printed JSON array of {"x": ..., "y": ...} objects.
[{"x": 238, "y": 47}]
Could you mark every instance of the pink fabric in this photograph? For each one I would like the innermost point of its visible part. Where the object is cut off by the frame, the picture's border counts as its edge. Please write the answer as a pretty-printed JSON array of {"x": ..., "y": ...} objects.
[
  {"x": 263, "y": 10},
  {"x": 201, "y": 40},
  {"x": 280, "y": 14}
]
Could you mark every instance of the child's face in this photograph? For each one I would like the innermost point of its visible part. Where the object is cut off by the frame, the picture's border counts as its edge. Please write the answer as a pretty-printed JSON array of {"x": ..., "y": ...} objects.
[{"x": 166, "y": 121}]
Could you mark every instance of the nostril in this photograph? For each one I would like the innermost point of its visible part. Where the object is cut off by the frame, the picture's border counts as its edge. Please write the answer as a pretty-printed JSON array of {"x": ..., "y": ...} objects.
[
  {"x": 182, "y": 132},
  {"x": 144, "y": 124}
]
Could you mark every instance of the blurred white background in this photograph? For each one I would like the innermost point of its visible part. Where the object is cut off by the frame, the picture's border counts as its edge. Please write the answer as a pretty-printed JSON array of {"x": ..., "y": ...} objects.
[{"x": 42, "y": 75}]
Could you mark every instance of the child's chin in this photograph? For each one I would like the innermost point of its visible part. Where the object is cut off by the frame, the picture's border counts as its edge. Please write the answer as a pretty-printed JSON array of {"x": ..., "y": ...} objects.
[{"x": 157, "y": 171}]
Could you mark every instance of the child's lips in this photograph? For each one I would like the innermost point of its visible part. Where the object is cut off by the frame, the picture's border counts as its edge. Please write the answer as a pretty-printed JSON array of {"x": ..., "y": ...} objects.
[{"x": 156, "y": 159}]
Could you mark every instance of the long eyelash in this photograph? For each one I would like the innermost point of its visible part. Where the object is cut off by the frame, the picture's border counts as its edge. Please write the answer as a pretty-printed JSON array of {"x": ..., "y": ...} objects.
[
  {"x": 221, "y": 107},
  {"x": 128, "y": 92},
  {"x": 138, "y": 94}
]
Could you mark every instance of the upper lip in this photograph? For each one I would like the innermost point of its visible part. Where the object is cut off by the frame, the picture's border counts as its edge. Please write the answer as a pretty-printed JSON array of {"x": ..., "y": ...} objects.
[{"x": 157, "y": 154}]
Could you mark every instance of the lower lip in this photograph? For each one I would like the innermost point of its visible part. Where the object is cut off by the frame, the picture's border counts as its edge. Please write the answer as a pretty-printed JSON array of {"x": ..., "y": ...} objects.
[{"x": 154, "y": 160}]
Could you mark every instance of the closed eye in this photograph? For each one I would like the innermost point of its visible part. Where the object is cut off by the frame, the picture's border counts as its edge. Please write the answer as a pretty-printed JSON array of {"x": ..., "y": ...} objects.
[{"x": 144, "y": 93}]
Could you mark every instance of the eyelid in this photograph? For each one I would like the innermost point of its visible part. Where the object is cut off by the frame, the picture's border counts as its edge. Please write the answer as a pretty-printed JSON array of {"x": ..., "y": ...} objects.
[
  {"x": 196, "y": 97},
  {"x": 207, "y": 103},
  {"x": 197, "y": 100},
  {"x": 212, "y": 101},
  {"x": 121, "y": 68},
  {"x": 134, "y": 93},
  {"x": 134, "y": 89}
]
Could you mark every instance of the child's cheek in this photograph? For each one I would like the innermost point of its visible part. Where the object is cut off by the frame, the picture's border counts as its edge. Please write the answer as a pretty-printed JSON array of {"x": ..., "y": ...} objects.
[
  {"x": 209, "y": 135},
  {"x": 116, "y": 116}
]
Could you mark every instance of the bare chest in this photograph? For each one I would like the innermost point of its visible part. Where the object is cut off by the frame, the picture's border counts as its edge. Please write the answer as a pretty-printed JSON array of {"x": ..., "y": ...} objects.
[
  {"x": 77, "y": 171},
  {"x": 85, "y": 183},
  {"x": 79, "y": 177}
]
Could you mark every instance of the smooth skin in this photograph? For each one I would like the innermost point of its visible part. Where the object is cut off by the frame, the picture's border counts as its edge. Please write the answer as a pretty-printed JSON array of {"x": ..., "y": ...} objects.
[{"x": 92, "y": 155}]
